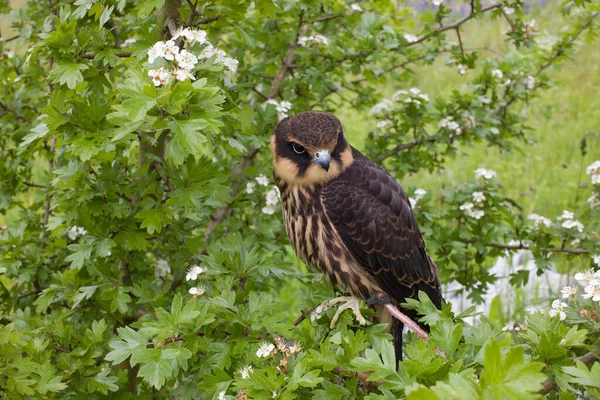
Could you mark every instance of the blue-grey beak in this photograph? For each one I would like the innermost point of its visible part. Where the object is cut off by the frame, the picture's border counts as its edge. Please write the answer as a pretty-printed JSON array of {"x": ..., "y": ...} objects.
[{"x": 322, "y": 158}]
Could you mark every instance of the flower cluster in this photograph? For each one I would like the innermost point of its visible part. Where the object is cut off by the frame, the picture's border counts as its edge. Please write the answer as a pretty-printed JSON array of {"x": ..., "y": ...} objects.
[
  {"x": 75, "y": 232},
  {"x": 591, "y": 280},
  {"x": 471, "y": 211},
  {"x": 282, "y": 107},
  {"x": 312, "y": 40},
  {"x": 184, "y": 59},
  {"x": 558, "y": 308},
  {"x": 568, "y": 221},
  {"x": 194, "y": 272},
  {"x": 262, "y": 180},
  {"x": 356, "y": 7},
  {"x": 245, "y": 371},
  {"x": 539, "y": 220},
  {"x": 449, "y": 124},
  {"x": 497, "y": 74},
  {"x": 486, "y": 174},
  {"x": 272, "y": 200},
  {"x": 413, "y": 96},
  {"x": 593, "y": 170},
  {"x": 529, "y": 82},
  {"x": 410, "y": 38},
  {"x": 594, "y": 200},
  {"x": 197, "y": 291},
  {"x": 512, "y": 326},
  {"x": 266, "y": 350},
  {"x": 419, "y": 194},
  {"x": 318, "y": 311},
  {"x": 161, "y": 268}
]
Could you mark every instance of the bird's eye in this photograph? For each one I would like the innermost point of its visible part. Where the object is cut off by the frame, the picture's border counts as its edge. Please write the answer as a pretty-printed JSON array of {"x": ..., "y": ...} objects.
[{"x": 298, "y": 148}]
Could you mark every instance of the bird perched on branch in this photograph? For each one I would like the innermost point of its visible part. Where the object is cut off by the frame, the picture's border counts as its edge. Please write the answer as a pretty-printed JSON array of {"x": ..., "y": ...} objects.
[{"x": 347, "y": 216}]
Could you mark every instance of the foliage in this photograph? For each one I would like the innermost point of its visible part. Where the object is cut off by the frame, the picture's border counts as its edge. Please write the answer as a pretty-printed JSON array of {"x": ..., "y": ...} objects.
[{"x": 125, "y": 183}]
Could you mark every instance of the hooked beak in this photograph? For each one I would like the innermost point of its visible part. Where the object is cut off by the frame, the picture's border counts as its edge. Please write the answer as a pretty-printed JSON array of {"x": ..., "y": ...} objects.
[{"x": 322, "y": 158}]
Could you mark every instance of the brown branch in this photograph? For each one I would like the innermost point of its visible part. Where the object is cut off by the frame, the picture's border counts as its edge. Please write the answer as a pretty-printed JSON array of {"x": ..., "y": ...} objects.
[
  {"x": 122, "y": 54},
  {"x": 454, "y": 25},
  {"x": 549, "y": 384},
  {"x": 404, "y": 146},
  {"x": 35, "y": 185},
  {"x": 209, "y": 20},
  {"x": 10, "y": 39},
  {"x": 522, "y": 246},
  {"x": 303, "y": 316},
  {"x": 328, "y": 18}
]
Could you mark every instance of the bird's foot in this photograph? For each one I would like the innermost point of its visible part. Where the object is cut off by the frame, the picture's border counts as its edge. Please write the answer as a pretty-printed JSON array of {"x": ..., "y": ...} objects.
[{"x": 349, "y": 302}]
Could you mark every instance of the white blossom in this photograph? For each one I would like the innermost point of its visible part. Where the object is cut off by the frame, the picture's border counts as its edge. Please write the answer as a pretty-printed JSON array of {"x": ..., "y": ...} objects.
[
  {"x": 538, "y": 219},
  {"x": 170, "y": 50},
  {"x": 272, "y": 197},
  {"x": 186, "y": 60},
  {"x": 593, "y": 170},
  {"x": 529, "y": 82},
  {"x": 250, "y": 187},
  {"x": 596, "y": 259},
  {"x": 494, "y": 130},
  {"x": 420, "y": 193},
  {"x": 594, "y": 200},
  {"x": 183, "y": 74},
  {"x": 477, "y": 214},
  {"x": 221, "y": 395},
  {"x": 269, "y": 210},
  {"x": 382, "y": 106},
  {"x": 265, "y": 349},
  {"x": 410, "y": 38},
  {"x": 570, "y": 224},
  {"x": 507, "y": 82},
  {"x": 413, "y": 202},
  {"x": 566, "y": 215},
  {"x": 159, "y": 76},
  {"x": 355, "y": 7},
  {"x": 592, "y": 291},
  {"x": 245, "y": 371},
  {"x": 128, "y": 42},
  {"x": 508, "y": 10},
  {"x": 156, "y": 51},
  {"x": 536, "y": 309},
  {"x": 462, "y": 69},
  {"x": 484, "y": 100},
  {"x": 384, "y": 124},
  {"x": 478, "y": 197},
  {"x": 568, "y": 291},
  {"x": 496, "y": 73},
  {"x": 161, "y": 268},
  {"x": 466, "y": 206},
  {"x": 318, "y": 311},
  {"x": 449, "y": 123},
  {"x": 193, "y": 272},
  {"x": 262, "y": 180},
  {"x": 590, "y": 276},
  {"x": 558, "y": 308},
  {"x": 282, "y": 107},
  {"x": 484, "y": 173},
  {"x": 307, "y": 41},
  {"x": 75, "y": 232},
  {"x": 197, "y": 291},
  {"x": 437, "y": 2}
]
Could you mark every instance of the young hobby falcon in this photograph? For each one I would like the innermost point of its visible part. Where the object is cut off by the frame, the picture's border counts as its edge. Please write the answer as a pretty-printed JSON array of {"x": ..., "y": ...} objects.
[{"x": 347, "y": 216}]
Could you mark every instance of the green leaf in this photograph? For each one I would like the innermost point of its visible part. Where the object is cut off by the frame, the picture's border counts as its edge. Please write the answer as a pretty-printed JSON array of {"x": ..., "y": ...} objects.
[
  {"x": 155, "y": 373},
  {"x": 103, "y": 383},
  {"x": 133, "y": 344},
  {"x": 584, "y": 376},
  {"x": 152, "y": 219},
  {"x": 146, "y": 7},
  {"x": 67, "y": 73},
  {"x": 81, "y": 253},
  {"x": 37, "y": 132}
]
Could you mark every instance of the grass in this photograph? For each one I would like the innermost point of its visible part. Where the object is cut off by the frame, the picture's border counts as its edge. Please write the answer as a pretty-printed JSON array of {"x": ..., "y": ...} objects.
[{"x": 545, "y": 177}]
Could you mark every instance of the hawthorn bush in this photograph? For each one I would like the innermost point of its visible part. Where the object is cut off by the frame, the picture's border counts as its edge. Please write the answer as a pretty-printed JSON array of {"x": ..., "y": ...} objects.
[{"x": 142, "y": 247}]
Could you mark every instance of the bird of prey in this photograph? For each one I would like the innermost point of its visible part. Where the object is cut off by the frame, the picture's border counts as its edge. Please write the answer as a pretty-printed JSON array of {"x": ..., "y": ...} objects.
[{"x": 347, "y": 216}]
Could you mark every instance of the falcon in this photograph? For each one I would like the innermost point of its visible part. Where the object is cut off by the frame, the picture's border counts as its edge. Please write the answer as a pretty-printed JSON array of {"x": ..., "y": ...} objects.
[{"x": 348, "y": 217}]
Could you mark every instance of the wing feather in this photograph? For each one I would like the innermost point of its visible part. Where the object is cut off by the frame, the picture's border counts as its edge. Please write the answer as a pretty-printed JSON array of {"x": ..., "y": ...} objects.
[{"x": 373, "y": 216}]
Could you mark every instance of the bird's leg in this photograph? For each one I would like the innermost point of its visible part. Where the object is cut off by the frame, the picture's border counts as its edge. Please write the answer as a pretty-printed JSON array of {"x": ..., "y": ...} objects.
[
  {"x": 410, "y": 324},
  {"x": 349, "y": 302}
]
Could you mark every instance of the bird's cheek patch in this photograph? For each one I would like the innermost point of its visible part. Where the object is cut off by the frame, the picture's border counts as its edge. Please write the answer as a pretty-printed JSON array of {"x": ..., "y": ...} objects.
[{"x": 286, "y": 169}]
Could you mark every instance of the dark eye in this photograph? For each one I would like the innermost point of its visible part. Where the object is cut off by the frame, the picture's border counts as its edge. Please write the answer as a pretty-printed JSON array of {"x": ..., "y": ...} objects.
[{"x": 298, "y": 149}]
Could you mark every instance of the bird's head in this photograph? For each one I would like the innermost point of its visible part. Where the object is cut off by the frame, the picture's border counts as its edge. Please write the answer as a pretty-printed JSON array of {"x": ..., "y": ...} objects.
[{"x": 310, "y": 148}]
